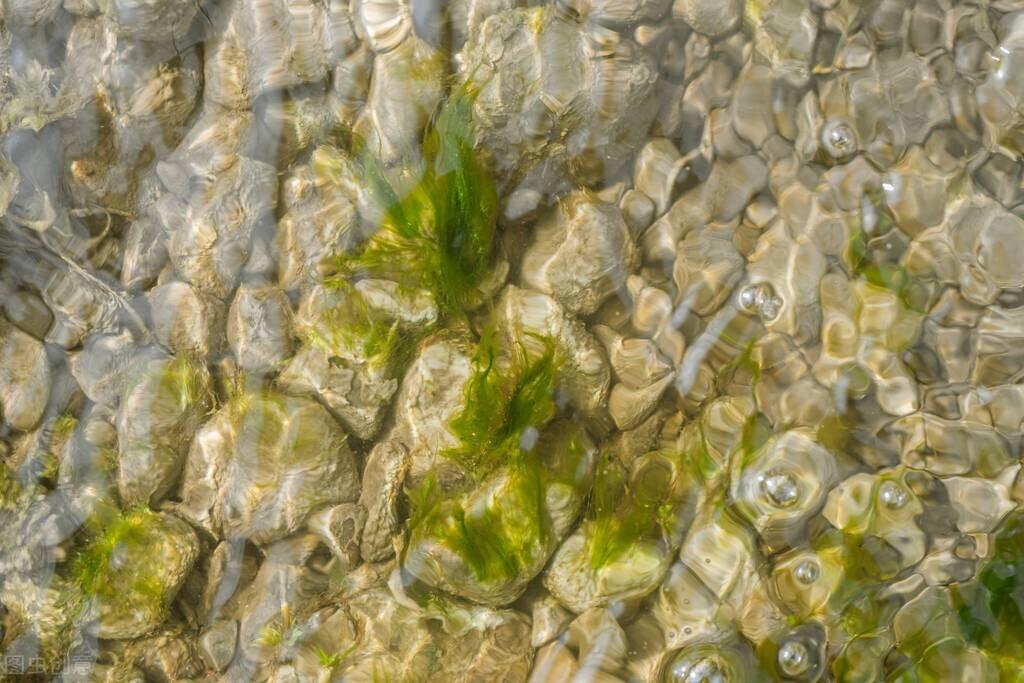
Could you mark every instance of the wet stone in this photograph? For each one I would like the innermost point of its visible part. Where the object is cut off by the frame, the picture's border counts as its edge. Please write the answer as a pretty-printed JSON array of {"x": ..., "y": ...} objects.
[
  {"x": 217, "y": 644},
  {"x": 341, "y": 528},
  {"x": 24, "y": 377},
  {"x": 710, "y": 18},
  {"x": 28, "y": 312},
  {"x": 594, "y": 239},
  {"x": 259, "y": 328},
  {"x": 767, "y": 252}
]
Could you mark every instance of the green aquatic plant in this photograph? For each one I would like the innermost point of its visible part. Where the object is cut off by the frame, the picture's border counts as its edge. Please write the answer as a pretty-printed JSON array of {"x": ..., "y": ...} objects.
[
  {"x": 504, "y": 397},
  {"x": 12, "y": 495},
  {"x": 496, "y": 541},
  {"x": 509, "y": 398},
  {"x": 626, "y": 509},
  {"x": 95, "y": 566},
  {"x": 282, "y": 631},
  {"x": 990, "y": 609},
  {"x": 330, "y": 660},
  {"x": 502, "y": 536},
  {"x": 380, "y": 675},
  {"x": 270, "y": 636},
  {"x": 179, "y": 385},
  {"x": 932, "y": 647},
  {"x": 615, "y": 521},
  {"x": 59, "y": 433},
  {"x": 440, "y": 236},
  {"x": 354, "y": 326}
]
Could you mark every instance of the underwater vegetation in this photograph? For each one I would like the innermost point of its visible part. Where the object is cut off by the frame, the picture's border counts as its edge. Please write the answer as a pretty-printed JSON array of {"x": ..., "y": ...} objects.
[
  {"x": 504, "y": 398},
  {"x": 624, "y": 510},
  {"x": 508, "y": 401},
  {"x": 130, "y": 567},
  {"x": 96, "y": 566},
  {"x": 493, "y": 340},
  {"x": 990, "y": 609},
  {"x": 440, "y": 235},
  {"x": 353, "y": 326}
]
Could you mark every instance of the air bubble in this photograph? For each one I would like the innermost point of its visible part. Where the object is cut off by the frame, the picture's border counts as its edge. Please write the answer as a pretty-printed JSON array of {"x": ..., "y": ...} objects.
[
  {"x": 704, "y": 670},
  {"x": 807, "y": 572},
  {"x": 760, "y": 300},
  {"x": 748, "y": 299},
  {"x": 770, "y": 309},
  {"x": 780, "y": 488},
  {"x": 892, "y": 495},
  {"x": 839, "y": 139},
  {"x": 793, "y": 658}
]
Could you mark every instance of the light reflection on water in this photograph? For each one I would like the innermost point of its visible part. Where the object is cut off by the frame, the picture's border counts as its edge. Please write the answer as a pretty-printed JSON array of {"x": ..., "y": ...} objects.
[{"x": 625, "y": 340}]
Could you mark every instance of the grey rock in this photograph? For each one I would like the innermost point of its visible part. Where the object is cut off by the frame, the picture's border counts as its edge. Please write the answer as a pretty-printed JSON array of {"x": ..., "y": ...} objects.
[
  {"x": 99, "y": 367},
  {"x": 383, "y": 479},
  {"x": 165, "y": 401},
  {"x": 355, "y": 392},
  {"x": 259, "y": 328},
  {"x": 187, "y": 321},
  {"x": 710, "y": 17},
  {"x": 580, "y": 254},
  {"x": 550, "y": 66},
  {"x": 586, "y": 376},
  {"x": 263, "y": 464},
  {"x": 211, "y": 233},
  {"x": 341, "y": 529},
  {"x": 140, "y": 583},
  {"x": 549, "y": 619},
  {"x": 24, "y": 377},
  {"x": 217, "y": 644}
]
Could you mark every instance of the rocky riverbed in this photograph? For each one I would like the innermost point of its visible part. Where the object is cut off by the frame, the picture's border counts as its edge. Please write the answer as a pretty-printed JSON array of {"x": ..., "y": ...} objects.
[{"x": 505, "y": 340}]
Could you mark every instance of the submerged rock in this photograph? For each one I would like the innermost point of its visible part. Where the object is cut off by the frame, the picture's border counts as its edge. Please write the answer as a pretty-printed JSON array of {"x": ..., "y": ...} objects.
[
  {"x": 356, "y": 342},
  {"x": 24, "y": 378},
  {"x": 263, "y": 464},
  {"x": 48, "y": 622},
  {"x": 580, "y": 255},
  {"x": 164, "y": 403},
  {"x": 383, "y": 478},
  {"x": 479, "y": 643},
  {"x": 708, "y": 17},
  {"x": 132, "y": 570},
  {"x": 691, "y": 328},
  {"x": 187, "y": 321},
  {"x": 211, "y": 237},
  {"x": 779, "y": 486},
  {"x": 593, "y": 94},
  {"x": 259, "y": 328},
  {"x": 431, "y": 394},
  {"x": 625, "y": 545},
  {"x": 522, "y": 314}
]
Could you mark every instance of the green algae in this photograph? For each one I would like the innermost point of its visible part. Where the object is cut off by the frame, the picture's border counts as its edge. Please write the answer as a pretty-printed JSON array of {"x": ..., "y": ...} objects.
[
  {"x": 502, "y": 403},
  {"x": 96, "y": 568},
  {"x": 330, "y": 660},
  {"x": 12, "y": 495},
  {"x": 503, "y": 536},
  {"x": 990, "y": 609},
  {"x": 440, "y": 236},
  {"x": 617, "y": 521},
  {"x": 60, "y": 432},
  {"x": 354, "y": 326},
  {"x": 509, "y": 399},
  {"x": 646, "y": 503},
  {"x": 864, "y": 264},
  {"x": 181, "y": 383}
]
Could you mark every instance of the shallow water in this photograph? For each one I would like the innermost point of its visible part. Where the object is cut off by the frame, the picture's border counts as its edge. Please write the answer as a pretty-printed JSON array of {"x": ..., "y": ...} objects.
[{"x": 496, "y": 340}]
